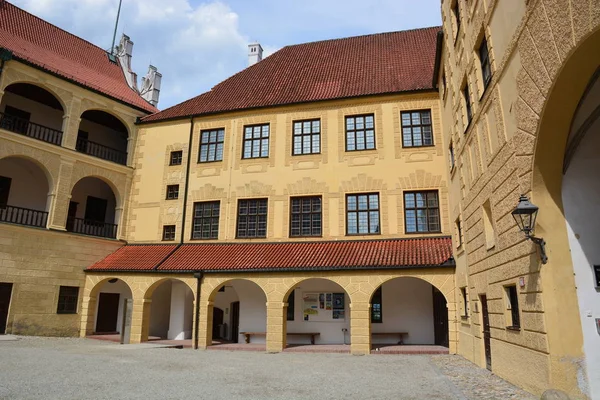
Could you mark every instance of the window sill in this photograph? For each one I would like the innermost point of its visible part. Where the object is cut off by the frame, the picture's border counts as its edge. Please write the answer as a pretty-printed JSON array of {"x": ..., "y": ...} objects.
[
  {"x": 203, "y": 239},
  {"x": 360, "y": 151},
  {"x": 306, "y": 237},
  {"x": 464, "y": 317},
  {"x": 468, "y": 125},
  {"x": 513, "y": 328},
  {"x": 423, "y": 233},
  {"x": 175, "y": 165},
  {"x": 216, "y": 161},
  {"x": 363, "y": 234},
  {"x": 485, "y": 88},
  {"x": 426, "y": 146},
  {"x": 460, "y": 250},
  {"x": 66, "y": 312}
]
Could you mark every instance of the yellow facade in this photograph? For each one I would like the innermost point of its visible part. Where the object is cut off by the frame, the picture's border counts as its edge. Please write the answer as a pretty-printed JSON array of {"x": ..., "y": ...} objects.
[{"x": 515, "y": 145}]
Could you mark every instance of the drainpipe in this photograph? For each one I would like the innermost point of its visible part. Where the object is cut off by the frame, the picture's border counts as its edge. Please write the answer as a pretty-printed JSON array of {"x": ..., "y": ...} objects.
[
  {"x": 187, "y": 180},
  {"x": 198, "y": 276}
]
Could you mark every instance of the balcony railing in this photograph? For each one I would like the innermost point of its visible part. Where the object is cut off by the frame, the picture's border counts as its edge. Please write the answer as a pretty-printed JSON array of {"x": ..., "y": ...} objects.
[
  {"x": 92, "y": 228},
  {"x": 23, "y": 216},
  {"x": 24, "y": 127},
  {"x": 101, "y": 151}
]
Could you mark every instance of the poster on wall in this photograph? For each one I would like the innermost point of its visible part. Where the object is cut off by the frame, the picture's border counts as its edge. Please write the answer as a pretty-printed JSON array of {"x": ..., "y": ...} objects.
[
  {"x": 328, "y": 304},
  {"x": 322, "y": 301},
  {"x": 323, "y": 307},
  {"x": 339, "y": 314},
  {"x": 338, "y": 301}
]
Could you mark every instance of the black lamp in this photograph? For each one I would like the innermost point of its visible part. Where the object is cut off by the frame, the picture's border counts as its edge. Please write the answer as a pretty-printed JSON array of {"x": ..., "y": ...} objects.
[{"x": 525, "y": 215}]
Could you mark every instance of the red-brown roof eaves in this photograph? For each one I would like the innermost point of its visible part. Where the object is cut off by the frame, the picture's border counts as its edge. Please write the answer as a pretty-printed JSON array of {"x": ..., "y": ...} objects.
[
  {"x": 378, "y": 64},
  {"x": 134, "y": 258},
  {"x": 47, "y": 47}
]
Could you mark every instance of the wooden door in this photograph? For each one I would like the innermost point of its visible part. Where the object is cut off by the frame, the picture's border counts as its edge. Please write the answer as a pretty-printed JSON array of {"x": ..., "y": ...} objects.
[
  {"x": 108, "y": 312},
  {"x": 235, "y": 321},
  {"x": 5, "y": 293},
  {"x": 440, "y": 318},
  {"x": 486, "y": 332},
  {"x": 217, "y": 321}
]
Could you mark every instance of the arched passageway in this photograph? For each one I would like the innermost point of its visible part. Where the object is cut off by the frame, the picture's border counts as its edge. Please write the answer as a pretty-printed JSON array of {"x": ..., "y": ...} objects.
[
  {"x": 102, "y": 135},
  {"x": 92, "y": 209},
  {"x": 32, "y": 111},
  {"x": 110, "y": 299},
  {"x": 171, "y": 311},
  {"x": 24, "y": 192}
]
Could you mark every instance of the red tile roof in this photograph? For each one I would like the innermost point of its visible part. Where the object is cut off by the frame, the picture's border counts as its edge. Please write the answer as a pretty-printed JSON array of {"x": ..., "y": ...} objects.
[
  {"x": 234, "y": 257},
  {"x": 332, "y": 69},
  {"x": 46, "y": 46},
  {"x": 134, "y": 258}
]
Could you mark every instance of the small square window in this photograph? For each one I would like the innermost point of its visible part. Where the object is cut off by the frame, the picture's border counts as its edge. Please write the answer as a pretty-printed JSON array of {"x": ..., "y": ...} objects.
[
  {"x": 172, "y": 192},
  {"x": 176, "y": 157},
  {"x": 465, "y": 310},
  {"x": 168, "y": 232},
  {"x": 67, "y": 300}
]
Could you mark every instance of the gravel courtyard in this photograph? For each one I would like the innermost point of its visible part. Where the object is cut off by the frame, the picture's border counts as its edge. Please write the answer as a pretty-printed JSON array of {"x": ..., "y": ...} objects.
[{"x": 51, "y": 368}]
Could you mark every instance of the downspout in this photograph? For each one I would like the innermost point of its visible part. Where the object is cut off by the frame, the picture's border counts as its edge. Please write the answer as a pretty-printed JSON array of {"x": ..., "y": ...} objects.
[
  {"x": 187, "y": 180},
  {"x": 198, "y": 276}
]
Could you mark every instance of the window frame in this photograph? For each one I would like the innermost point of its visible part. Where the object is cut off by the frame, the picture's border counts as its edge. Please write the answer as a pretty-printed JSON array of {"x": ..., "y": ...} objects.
[
  {"x": 456, "y": 12},
  {"x": 463, "y": 292},
  {"x": 175, "y": 193},
  {"x": 459, "y": 232},
  {"x": 368, "y": 211},
  {"x": 164, "y": 233},
  {"x": 209, "y": 143},
  {"x": 411, "y": 126},
  {"x": 311, "y": 213},
  {"x": 354, "y": 116},
  {"x": 417, "y": 232},
  {"x": 178, "y": 156},
  {"x": 485, "y": 62},
  {"x": 512, "y": 297},
  {"x": 212, "y": 219},
  {"x": 452, "y": 156},
  {"x": 252, "y": 139},
  {"x": 302, "y": 134},
  {"x": 66, "y": 299},
  {"x": 377, "y": 298},
  {"x": 257, "y": 215},
  {"x": 468, "y": 110}
]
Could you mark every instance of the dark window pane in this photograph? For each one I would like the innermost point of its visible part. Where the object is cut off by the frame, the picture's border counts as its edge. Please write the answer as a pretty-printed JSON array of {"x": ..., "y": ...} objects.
[
  {"x": 252, "y": 218},
  {"x": 67, "y": 300},
  {"x": 421, "y": 212},
  {"x": 416, "y": 129},
  {"x": 360, "y": 133},
  {"x": 362, "y": 214},
  {"x": 206, "y": 220},
  {"x": 211, "y": 145},
  {"x": 305, "y": 219},
  {"x": 256, "y": 141}
]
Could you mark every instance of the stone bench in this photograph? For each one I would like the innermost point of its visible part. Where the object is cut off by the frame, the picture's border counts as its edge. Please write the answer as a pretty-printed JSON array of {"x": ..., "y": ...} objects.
[
  {"x": 400, "y": 334},
  {"x": 311, "y": 334}
]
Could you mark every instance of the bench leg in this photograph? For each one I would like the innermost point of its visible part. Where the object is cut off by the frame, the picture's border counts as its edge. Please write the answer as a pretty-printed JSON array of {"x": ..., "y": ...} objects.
[
  {"x": 312, "y": 339},
  {"x": 247, "y": 338}
]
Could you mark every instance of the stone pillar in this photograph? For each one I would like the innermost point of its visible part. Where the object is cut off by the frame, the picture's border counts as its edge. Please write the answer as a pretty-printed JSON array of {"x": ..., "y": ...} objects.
[
  {"x": 205, "y": 324},
  {"x": 119, "y": 222},
  {"x": 140, "y": 320},
  {"x": 452, "y": 327},
  {"x": 71, "y": 121},
  {"x": 180, "y": 309},
  {"x": 88, "y": 310},
  {"x": 1, "y": 91},
  {"x": 57, "y": 217},
  {"x": 130, "y": 150},
  {"x": 360, "y": 328},
  {"x": 276, "y": 326}
]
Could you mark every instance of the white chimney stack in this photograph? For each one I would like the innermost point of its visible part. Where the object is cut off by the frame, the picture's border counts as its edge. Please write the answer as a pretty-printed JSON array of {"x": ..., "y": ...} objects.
[
  {"x": 124, "y": 53},
  {"x": 151, "y": 85},
  {"x": 255, "y": 53}
]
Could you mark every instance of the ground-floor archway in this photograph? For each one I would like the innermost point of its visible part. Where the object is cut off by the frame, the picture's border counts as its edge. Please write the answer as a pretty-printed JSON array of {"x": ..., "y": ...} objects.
[
  {"x": 108, "y": 310},
  {"x": 171, "y": 310}
]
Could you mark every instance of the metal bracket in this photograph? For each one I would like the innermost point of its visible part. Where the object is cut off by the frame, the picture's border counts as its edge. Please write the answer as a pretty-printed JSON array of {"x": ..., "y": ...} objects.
[{"x": 542, "y": 245}]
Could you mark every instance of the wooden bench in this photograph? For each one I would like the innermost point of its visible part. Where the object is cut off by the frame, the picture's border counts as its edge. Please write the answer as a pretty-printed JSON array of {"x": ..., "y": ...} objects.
[
  {"x": 401, "y": 334},
  {"x": 311, "y": 334}
]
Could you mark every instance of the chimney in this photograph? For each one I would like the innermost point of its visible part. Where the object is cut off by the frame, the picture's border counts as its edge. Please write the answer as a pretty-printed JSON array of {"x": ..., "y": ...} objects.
[
  {"x": 124, "y": 53},
  {"x": 255, "y": 52},
  {"x": 151, "y": 86}
]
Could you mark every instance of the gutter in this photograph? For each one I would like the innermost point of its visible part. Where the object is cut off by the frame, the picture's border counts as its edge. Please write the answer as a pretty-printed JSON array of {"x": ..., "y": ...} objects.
[
  {"x": 198, "y": 276},
  {"x": 438, "y": 58},
  {"x": 187, "y": 181}
]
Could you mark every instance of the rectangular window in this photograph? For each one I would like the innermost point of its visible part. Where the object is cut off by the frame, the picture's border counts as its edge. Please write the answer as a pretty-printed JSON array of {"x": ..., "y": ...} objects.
[
  {"x": 484, "y": 58},
  {"x": 67, "y": 300},
  {"x": 4, "y": 190},
  {"x": 376, "y": 307},
  {"x": 451, "y": 156},
  {"x": 463, "y": 291},
  {"x": 422, "y": 212},
  {"x": 416, "y": 129},
  {"x": 362, "y": 214},
  {"x": 176, "y": 157},
  {"x": 291, "y": 305},
  {"x": 456, "y": 11},
  {"x": 206, "y": 220},
  {"x": 307, "y": 137},
  {"x": 256, "y": 141},
  {"x": 211, "y": 145},
  {"x": 467, "y": 99},
  {"x": 459, "y": 238},
  {"x": 513, "y": 306},
  {"x": 305, "y": 216},
  {"x": 360, "y": 132},
  {"x": 172, "y": 192},
  {"x": 168, "y": 232},
  {"x": 252, "y": 218}
]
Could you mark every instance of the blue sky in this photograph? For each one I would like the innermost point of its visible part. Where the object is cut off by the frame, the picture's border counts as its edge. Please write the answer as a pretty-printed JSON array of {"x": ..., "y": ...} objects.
[{"x": 197, "y": 43}]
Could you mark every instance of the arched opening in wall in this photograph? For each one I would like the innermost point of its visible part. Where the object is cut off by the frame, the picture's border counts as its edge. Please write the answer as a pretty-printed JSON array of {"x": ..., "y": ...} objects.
[
  {"x": 171, "y": 311},
  {"x": 111, "y": 297},
  {"x": 244, "y": 314},
  {"x": 32, "y": 111},
  {"x": 102, "y": 135},
  {"x": 406, "y": 314},
  {"x": 24, "y": 192},
  {"x": 92, "y": 209},
  {"x": 318, "y": 313}
]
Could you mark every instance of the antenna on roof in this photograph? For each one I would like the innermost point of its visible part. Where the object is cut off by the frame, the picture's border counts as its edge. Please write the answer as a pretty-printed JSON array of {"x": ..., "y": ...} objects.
[{"x": 112, "y": 48}]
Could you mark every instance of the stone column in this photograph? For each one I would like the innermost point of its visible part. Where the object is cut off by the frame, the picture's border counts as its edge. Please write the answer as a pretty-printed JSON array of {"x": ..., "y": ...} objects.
[
  {"x": 179, "y": 310},
  {"x": 1, "y": 91},
  {"x": 57, "y": 217},
  {"x": 276, "y": 326},
  {"x": 140, "y": 321},
  {"x": 71, "y": 121},
  {"x": 452, "y": 327},
  {"x": 88, "y": 309},
  {"x": 205, "y": 324},
  {"x": 119, "y": 222},
  {"x": 360, "y": 328}
]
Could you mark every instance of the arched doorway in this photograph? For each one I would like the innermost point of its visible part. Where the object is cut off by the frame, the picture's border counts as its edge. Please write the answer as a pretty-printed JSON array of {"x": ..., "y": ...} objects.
[
  {"x": 92, "y": 209},
  {"x": 171, "y": 311},
  {"x": 102, "y": 135},
  {"x": 111, "y": 296},
  {"x": 244, "y": 318},
  {"x": 24, "y": 192},
  {"x": 318, "y": 313},
  {"x": 32, "y": 111},
  {"x": 408, "y": 311}
]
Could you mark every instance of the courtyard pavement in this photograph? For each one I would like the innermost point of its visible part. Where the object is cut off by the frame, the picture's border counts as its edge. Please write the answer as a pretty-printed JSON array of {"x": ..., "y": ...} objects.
[{"x": 59, "y": 368}]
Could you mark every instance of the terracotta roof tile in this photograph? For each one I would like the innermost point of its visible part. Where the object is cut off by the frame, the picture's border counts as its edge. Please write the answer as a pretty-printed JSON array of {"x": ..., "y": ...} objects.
[
  {"x": 134, "y": 258},
  {"x": 332, "y": 69},
  {"x": 46, "y": 46},
  {"x": 342, "y": 255}
]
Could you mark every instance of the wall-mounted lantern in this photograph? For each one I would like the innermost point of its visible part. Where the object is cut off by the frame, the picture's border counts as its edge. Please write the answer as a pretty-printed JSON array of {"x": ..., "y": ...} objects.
[{"x": 525, "y": 214}]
